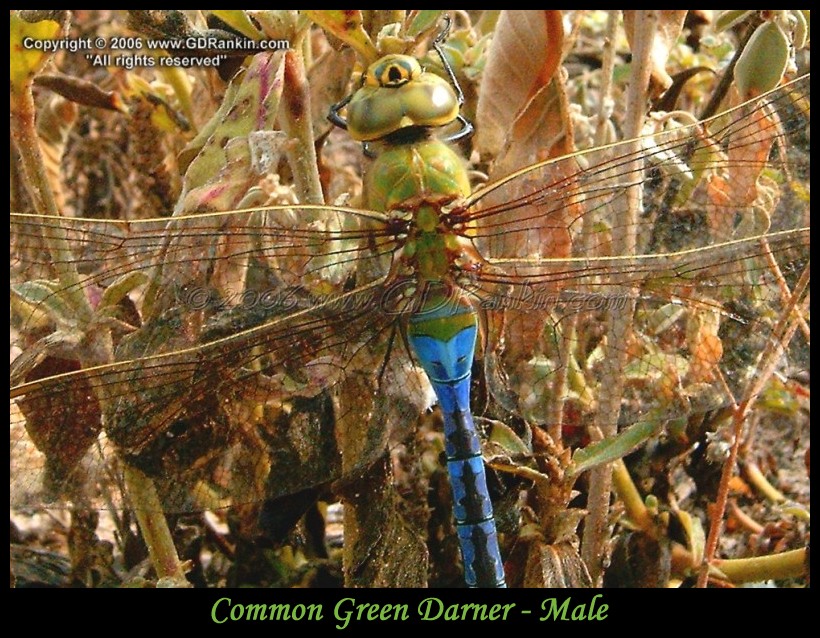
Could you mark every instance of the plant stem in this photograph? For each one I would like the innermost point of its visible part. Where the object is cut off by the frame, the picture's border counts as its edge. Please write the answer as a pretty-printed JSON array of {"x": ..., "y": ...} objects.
[
  {"x": 791, "y": 564},
  {"x": 761, "y": 483},
  {"x": 746, "y": 521},
  {"x": 783, "y": 332},
  {"x": 24, "y": 135},
  {"x": 154, "y": 527},
  {"x": 296, "y": 122},
  {"x": 625, "y": 488},
  {"x": 619, "y": 320},
  {"x": 607, "y": 70}
]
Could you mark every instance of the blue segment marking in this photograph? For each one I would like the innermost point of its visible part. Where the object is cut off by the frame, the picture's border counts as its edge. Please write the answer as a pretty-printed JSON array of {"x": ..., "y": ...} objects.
[
  {"x": 446, "y": 361},
  {"x": 448, "y": 365}
]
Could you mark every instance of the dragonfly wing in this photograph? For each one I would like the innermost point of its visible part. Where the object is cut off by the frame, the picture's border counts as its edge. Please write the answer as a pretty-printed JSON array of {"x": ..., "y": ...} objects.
[
  {"x": 721, "y": 241},
  {"x": 236, "y": 322}
]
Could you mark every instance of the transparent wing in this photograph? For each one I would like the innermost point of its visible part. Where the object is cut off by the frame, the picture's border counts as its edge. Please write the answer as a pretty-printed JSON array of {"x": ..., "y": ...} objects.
[
  {"x": 205, "y": 332},
  {"x": 721, "y": 241}
]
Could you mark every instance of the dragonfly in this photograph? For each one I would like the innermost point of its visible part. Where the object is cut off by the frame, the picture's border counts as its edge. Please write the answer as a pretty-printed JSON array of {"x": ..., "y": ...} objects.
[{"x": 220, "y": 322}]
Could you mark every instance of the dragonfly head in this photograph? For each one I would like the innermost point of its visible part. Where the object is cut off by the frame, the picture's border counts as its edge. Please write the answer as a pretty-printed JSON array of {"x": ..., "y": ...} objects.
[{"x": 397, "y": 93}]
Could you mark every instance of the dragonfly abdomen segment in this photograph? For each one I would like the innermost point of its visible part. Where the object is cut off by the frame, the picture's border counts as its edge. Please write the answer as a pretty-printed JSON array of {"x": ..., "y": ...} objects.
[
  {"x": 472, "y": 506},
  {"x": 446, "y": 351}
]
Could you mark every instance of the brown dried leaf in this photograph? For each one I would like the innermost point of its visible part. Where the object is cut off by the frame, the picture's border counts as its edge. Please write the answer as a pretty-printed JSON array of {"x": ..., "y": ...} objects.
[
  {"x": 523, "y": 118},
  {"x": 523, "y": 59},
  {"x": 748, "y": 156},
  {"x": 328, "y": 79},
  {"x": 81, "y": 91},
  {"x": 555, "y": 566},
  {"x": 707, "y": 352},
  {"x": 63, "y": 441},
  {"x": 738, "y": 486}
]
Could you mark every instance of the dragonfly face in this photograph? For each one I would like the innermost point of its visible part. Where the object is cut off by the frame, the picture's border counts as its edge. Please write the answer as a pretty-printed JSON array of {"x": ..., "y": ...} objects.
[{"x": 396, "y": 94}]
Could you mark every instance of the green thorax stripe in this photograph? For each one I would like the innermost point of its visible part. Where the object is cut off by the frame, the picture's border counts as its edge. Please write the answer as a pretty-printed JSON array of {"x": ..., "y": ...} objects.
[{"x": 417, "y": 179}]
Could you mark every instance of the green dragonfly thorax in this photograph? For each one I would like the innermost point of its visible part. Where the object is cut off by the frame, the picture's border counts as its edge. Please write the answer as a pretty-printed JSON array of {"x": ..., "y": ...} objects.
[
  {"x": 401, "y": 173},
  {"x": 419, "y": 179},
  {"x": 397, "y": 94}
]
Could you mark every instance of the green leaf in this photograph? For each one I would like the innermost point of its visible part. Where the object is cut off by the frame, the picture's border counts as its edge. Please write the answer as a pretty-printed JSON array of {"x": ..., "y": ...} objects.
[
  {"x": 695, "y": 536},
  {"x": 30, "y": 299},
  {"x": 121, "y": 287},
  {"x": 761, "y": 65},
  {"x": 728, "y": 19},
  {"x": 506, "y": 438},
  {"x": 654, "y": 364},
  {"x": 664, "y": 317},
  {"x": 424, "y": 19},
  {"x": 192, "y": 149},
  {"x": 253, "y": 106},
  {"x": 614, "y": 448},
  {"x": 798, "y": 511},
  {"x": 800, "y": 37},
  {"x": 25, "y": 61},
  {"x": 347, "y": 26}
]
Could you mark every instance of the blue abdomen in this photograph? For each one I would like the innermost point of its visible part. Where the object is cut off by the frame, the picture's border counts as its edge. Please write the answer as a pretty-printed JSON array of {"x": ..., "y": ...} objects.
[{"x": 443, "y": 339}]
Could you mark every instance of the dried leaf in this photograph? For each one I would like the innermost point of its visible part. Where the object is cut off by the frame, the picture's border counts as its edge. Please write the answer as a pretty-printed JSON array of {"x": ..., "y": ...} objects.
[
  {"x": 522, "y": 118},
  {"x": 556, "y": 566},
  {"x": 738, "y": 486},
  {"x": 523, "y": 58},
  {"x": 706, "y": 354},
  {"x": 639, "y": 560},
  {"x": 328, "y": 78},
  {"x": 748, "y": 157},
  {"x": 81, "y": 91},
  {"x": 63, "y": 441}
]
